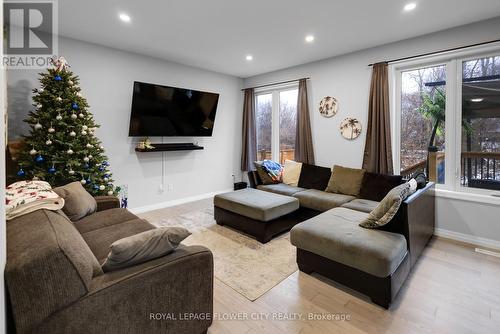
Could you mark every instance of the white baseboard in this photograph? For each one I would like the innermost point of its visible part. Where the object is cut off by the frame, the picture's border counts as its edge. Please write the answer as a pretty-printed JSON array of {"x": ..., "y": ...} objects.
[
  {"x": 470, "y": 239},
  {"x": 175, "y": 202}
]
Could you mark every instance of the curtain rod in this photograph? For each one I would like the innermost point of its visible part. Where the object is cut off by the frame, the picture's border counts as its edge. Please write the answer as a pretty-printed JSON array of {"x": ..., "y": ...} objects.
[
  {"x": 442, "y": 51},
  {"x": 276, "y": 83}
]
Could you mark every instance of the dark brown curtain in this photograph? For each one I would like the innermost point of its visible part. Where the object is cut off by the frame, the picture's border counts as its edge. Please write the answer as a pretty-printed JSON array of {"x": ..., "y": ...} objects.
[
  {"x": 303, "y": 139},
  {"x": 249, "y": 139},
  {"x": 378, "y": 156}
]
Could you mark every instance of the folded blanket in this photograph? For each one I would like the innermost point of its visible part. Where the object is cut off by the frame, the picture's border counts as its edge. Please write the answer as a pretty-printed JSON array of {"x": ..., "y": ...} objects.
[
  {"x": 273, "y": 169},
  {"x": 24, "y": 197}
]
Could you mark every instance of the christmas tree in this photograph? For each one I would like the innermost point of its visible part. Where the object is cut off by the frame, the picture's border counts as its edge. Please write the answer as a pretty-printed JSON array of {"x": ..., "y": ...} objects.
[{"x": 61, "y": 146}]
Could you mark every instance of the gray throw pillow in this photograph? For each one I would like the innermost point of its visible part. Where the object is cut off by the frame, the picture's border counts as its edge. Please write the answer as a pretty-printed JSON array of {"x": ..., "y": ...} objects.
[
  {"x": 389, "y": 206},
  {"x": 78, "y": 203},
  {"x": 143, "y": 247}
]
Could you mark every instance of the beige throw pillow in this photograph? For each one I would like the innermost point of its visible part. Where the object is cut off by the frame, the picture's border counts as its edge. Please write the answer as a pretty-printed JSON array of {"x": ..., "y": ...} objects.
[
  {"x": 388, "y": 207},
  {"x": 345, "y": 181},
  {"x": 78, "y": 203},
  {"x": 143, "y": 247},
  {"x": 291, "y": 172}
]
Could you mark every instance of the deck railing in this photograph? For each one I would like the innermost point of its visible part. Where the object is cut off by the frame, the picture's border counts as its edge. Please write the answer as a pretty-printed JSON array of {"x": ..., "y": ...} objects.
[
  {"x": 285, "y": 154},
  {"x": 478, "y": 169}
]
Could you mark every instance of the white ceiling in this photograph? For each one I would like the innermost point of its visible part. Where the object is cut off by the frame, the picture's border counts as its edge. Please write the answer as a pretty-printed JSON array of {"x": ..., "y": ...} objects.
[{"x": 218, "y": 34}]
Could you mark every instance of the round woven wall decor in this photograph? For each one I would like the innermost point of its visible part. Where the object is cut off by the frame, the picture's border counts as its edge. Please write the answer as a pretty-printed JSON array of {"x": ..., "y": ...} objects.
[
  {"x": 328, "y": 106},
  {"x": 350, "y": 128}
]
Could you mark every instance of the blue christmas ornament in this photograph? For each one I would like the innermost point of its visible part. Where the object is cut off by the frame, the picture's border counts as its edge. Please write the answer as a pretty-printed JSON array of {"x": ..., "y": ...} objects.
[
  {"x": 74, "y": 105},
  {"x": 57, "y": 78},
  {"x": 101, "y": 169},
  {"x": 51, "y": 170},
  {"x": 96, "y": 186},
  {"x": 106, "y": 175},
  {"x": 39, "y": 159},
  {"x": 21, "y": 172},
  {"x": 104, "y": 163},
  {"x": 89, "y": 181}
]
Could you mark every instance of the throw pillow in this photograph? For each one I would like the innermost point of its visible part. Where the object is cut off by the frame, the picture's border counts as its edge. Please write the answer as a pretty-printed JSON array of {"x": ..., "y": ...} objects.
[
  {"x": 143, "y": 247},
  {"x": 78, "y": 203},
  {"x": 270, "y": 172},
  {"x": 388, "y": 207},
  {"x": 314, "y": 177},
  {"x": 345, "y": 181},
  {"x": 375, "y": 186},
  {"x": 291, "y": 172},
  {"x": 421, "y": 179}
]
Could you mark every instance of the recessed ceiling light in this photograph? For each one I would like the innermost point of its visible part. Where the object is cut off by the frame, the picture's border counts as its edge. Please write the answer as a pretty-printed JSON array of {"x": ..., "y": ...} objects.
[
  {"x": 124, "y": 17},
  {"x": 249, "y": 57},
  {"x": 477, "y": 99},
  {"x": 410, "y": 6},
  {"x": 309, "y": 38}
]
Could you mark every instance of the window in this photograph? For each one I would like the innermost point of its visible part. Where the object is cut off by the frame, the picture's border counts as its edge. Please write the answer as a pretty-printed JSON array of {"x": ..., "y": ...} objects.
[
  {"x": 480, "y": 153},
  {"x": 423, "y": 105},
  {"x": 452, "y": 102},
  {"x": 276, "y": 114},
  {"x": 264, "y": 107}
]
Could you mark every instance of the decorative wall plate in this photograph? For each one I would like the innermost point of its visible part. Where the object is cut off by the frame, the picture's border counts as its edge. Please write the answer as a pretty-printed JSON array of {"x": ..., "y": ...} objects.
[
  {"x": 328, "y": 106},
  {"x": 350, "y": 128}
]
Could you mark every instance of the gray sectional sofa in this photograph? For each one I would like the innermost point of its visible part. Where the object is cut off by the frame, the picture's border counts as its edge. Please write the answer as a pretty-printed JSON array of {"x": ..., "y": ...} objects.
[{"x": 330, "y": 241}]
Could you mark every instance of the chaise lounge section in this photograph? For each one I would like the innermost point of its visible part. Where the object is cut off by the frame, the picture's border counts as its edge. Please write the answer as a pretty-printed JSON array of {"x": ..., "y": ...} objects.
[{"x": 375, "y": 262}]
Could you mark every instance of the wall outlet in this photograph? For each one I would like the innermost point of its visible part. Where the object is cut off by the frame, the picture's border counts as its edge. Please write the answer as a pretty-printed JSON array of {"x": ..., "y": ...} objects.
[{"x": 170, "y": 187}]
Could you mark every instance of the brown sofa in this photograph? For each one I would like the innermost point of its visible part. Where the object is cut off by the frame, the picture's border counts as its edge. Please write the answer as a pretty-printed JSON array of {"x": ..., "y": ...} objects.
[{"x": 56, "y": 285}]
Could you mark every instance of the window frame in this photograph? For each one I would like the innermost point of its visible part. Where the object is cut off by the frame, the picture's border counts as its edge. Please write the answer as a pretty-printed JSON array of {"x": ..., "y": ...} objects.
[
  {"x": 275, "y": 90},
  {"x": 453, "y": 124}
]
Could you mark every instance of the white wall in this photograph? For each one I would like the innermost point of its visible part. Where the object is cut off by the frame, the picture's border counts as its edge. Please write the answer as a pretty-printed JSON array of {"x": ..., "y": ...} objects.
[
  {"x": 347, "y": 78},
  {"x": 469, "y": 221},
  {"x": 107, "y": 77}
]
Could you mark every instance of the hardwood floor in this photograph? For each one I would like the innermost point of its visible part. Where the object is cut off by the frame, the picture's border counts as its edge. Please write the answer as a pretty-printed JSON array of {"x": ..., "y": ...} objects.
[{"x": 452, "y": 289}]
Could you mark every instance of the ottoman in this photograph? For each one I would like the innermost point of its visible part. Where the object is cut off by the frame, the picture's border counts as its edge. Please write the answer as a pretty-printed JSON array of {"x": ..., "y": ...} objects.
[{"x": 260, "y": 214}]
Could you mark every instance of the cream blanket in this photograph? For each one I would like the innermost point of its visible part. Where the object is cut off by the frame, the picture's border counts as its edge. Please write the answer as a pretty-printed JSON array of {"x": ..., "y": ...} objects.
[{"x": 27, "y": 196}]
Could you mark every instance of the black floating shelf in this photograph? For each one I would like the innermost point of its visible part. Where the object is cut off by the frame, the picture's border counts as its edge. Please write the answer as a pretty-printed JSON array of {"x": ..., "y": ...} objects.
[{"x": 170, "y": 147}]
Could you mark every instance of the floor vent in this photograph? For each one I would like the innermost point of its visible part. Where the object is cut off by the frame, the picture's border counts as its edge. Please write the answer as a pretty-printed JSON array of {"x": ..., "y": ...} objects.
[{"x": 487, "y": 252}]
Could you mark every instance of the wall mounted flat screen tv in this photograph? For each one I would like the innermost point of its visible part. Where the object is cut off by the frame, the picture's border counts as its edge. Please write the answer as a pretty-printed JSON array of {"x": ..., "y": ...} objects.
[{"x": 170, "y": 111}]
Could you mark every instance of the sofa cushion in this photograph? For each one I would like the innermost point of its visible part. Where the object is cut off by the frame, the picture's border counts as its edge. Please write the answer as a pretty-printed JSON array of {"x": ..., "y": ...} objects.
[
  {"x": 345, "y": 181},
  {"x": 256, "y": 204},
  {"x": 389, "y": 206},
  {"x": 49, "y": 266},
  {"x": 376, "y": 186},
  {"x": 143, "y": 247},
  {"x": 321, "y": 200},
  {"x": 101, "y": 239},
  {"x": 78, "y": 203},
  {"x": 291, "y": 172},
  {"x": 336, "y": 235},
  {"x": 363, "y": 205},
  {"x": 269, "y": 172},
  {"x": 280, "y": 188},
  {"x": 314, "y": 177},
  {"x": 103, "y": 218}
]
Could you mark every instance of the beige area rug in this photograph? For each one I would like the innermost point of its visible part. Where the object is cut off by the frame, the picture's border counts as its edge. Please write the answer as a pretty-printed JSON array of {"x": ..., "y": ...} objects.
[{"x": 240, "y": 262}]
